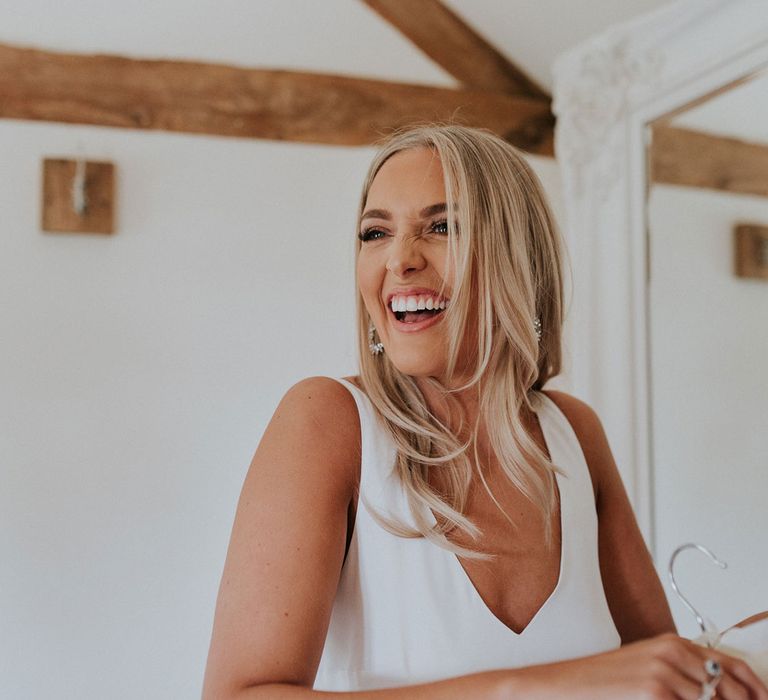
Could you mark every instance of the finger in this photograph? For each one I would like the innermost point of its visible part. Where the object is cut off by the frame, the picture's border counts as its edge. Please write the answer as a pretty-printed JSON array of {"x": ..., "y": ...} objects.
[
  {"x": 684, "y": 673},
  {"x": 684, "y": 688},
  {"x": 692, "y": 660},
  {"x": 743, "y": 676},
  {"x": 736, "y": 675},
  {"x": 730, "y": 688},
  {"x": 669, "y": 681}
]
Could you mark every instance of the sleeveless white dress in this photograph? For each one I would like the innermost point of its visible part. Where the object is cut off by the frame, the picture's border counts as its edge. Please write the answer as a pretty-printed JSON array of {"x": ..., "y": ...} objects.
[{"x": 405, "y": 610}]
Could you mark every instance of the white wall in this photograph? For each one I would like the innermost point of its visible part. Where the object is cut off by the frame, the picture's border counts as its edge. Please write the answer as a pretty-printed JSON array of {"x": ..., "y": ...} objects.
[
  {"x": 138, "y": 371},
  {"x": 137, "y": 374},
  {"x": 710, "y": 402}
]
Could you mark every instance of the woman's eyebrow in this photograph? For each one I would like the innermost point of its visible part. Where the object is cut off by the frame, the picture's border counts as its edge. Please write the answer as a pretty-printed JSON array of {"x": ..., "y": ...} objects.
[
  {"x": 431, "y": 210},
  {"x": 376, "y": 214}
]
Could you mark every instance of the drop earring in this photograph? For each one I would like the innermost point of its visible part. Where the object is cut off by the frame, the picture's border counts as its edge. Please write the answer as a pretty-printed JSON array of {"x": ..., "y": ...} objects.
[
  {"x": 537, "y": 327},
  {"x": 376, "y": 348}
]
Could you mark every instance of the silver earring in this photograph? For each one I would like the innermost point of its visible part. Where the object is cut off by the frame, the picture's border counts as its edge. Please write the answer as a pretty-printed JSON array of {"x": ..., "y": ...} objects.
[
  {"x": 373, "y": 346},
  {"x": 537, "y": 327}
]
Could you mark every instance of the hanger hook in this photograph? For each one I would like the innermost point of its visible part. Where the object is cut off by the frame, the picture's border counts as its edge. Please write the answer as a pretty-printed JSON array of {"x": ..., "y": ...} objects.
[{"x": 699, "y": 619}]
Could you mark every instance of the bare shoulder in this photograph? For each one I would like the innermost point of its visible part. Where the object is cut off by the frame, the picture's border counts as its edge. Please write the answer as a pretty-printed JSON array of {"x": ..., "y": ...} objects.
[
  {"x": 591, "y": 435},
  {"x": 321, "y": 401},
  {"x": 319, "y": 413},
  {"x": 313, "y": 394},
  {"x": 323, "y": 389},
  {"x": 575, "y": 410}
]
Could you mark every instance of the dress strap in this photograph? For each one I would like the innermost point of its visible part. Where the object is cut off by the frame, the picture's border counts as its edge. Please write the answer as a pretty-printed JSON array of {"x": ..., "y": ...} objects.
[
  {"x": 379, "y": 484},
  {"x": 562, "y": 441}
]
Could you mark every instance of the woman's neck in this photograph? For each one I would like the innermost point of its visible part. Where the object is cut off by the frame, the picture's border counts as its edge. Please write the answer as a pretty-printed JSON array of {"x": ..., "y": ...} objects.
[
  {"x": 443, "y": 402},
  {"x": 444, "y": 407}
]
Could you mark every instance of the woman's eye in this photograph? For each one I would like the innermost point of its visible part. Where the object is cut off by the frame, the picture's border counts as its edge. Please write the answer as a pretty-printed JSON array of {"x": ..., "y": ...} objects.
[
  {"x": 370, "y": 234},
  {"x": 440, "y": 227}
]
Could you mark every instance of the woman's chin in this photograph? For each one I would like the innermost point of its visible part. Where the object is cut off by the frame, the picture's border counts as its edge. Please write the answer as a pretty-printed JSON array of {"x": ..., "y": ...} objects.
[{"x": 416, "y": 365}]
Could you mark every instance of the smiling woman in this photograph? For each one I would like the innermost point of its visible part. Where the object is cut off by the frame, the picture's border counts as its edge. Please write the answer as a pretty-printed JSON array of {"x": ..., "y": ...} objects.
[
  {"x": 440, "y": 526},
  {"x": 492, "y": 282}
]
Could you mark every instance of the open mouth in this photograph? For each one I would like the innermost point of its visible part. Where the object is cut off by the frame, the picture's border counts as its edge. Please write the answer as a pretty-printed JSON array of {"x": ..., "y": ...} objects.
[{"x": 416, "y": 309}]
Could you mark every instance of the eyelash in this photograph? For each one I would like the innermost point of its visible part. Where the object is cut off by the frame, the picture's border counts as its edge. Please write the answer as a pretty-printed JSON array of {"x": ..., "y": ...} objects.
[{"x": 368, "y": 234}]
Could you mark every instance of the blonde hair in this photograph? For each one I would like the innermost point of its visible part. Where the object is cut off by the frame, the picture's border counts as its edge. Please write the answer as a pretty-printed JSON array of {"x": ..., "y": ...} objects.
[{"x": 508, "y": 265}]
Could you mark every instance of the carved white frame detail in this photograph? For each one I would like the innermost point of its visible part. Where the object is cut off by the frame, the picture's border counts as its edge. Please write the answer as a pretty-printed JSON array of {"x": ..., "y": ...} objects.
[{"x": 606, "y": 92}]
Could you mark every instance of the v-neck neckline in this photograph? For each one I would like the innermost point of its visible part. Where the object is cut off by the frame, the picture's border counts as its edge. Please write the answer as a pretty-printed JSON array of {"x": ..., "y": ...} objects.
[{"x": 543, "y": 418}]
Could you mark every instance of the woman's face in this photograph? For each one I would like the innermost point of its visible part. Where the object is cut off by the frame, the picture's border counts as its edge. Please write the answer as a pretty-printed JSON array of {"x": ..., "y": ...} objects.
[{"x": 402, "y": 264}]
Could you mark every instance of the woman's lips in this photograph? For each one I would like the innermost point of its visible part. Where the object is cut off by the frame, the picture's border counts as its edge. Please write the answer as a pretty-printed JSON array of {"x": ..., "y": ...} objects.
[{"x": 404, "y": 327}]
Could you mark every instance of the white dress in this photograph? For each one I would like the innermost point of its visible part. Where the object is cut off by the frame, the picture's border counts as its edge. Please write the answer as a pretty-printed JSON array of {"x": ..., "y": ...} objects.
[{"x": 405, "y": 610}]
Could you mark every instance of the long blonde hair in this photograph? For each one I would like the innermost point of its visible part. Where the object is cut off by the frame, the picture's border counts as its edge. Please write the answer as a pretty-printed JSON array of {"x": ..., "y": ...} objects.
[{"x": 508, "y": 264}]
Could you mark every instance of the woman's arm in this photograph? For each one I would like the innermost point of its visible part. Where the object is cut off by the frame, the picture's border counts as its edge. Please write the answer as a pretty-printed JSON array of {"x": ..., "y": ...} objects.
[
  {"x": 287, "y": 544},
  {"x": 635, "y": 595}
]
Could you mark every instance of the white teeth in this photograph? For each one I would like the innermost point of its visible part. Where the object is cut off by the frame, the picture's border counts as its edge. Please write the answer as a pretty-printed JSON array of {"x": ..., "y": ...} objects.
[{"x": 399, "y": 304}]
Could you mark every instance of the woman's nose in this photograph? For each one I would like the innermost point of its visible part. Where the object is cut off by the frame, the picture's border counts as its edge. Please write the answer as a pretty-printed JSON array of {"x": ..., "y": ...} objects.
[{"x": 405, "y": 256}]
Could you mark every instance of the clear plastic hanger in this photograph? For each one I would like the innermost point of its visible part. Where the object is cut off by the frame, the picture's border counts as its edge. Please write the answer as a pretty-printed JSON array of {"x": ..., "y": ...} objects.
[{"x": 710, "y": 635}]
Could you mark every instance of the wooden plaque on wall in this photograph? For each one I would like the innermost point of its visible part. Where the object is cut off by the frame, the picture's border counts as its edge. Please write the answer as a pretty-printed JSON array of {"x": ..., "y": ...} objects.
[
  {"x": 59, "y": 205},
  {"x": 751, "y": 251}
]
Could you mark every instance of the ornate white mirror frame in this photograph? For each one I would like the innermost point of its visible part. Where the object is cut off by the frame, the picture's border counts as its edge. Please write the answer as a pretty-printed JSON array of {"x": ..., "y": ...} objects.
[{"x": 607, "y": 90}]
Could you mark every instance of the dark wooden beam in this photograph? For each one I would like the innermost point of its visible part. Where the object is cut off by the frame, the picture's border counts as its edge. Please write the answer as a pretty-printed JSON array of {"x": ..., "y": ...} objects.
[
  {"x": 455, "y": 46},
  {"x": 216, "y": 99},
  {"x": 697, "y": 159}
]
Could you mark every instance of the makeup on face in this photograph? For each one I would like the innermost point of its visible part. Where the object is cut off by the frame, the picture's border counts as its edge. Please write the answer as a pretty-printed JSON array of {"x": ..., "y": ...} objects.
[
  {"x": 402, "y": 261},
  {"x": 432, "y": 220}
]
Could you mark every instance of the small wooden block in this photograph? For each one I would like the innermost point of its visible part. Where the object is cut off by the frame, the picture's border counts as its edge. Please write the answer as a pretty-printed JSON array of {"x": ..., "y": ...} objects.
[
  {"x": 751, "y": 251},
  {"x": 59, "y": 213}
]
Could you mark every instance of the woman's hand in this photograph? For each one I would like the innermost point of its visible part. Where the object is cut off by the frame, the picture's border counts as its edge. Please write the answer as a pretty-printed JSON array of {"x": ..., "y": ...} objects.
[{"x": 667, "y": 667}]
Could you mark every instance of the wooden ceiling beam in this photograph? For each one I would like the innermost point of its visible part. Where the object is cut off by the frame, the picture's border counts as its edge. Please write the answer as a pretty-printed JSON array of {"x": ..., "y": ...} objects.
[
  {"x": 204, "y": 98},
  {"x": 455, "y": 46},
  {"x": 697, "y": 159}
]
